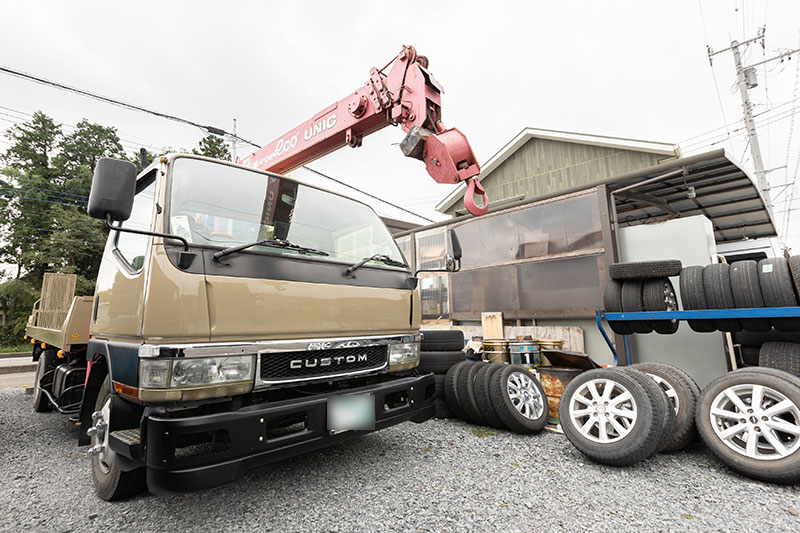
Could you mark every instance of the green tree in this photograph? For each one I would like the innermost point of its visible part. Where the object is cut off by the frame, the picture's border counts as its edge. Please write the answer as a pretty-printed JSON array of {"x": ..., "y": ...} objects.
[
  {"x": 213, "y": 146},
  {"x": 34, "y": 144}
]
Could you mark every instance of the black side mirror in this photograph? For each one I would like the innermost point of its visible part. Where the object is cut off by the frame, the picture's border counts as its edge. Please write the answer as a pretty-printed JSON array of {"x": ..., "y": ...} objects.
[
  {"x": 456, "y": 244},
  {"x": 113, "y": 188}
]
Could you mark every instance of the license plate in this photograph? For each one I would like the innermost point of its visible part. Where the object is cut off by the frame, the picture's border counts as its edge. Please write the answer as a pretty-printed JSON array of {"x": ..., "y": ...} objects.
[{"x": 351, "y": 412}]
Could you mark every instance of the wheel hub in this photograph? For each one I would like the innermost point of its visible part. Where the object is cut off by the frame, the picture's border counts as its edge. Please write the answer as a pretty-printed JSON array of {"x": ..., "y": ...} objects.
[{"x": 602, "y": 410}]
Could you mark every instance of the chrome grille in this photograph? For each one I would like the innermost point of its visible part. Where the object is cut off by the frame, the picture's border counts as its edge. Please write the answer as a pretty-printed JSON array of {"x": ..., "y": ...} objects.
[{"x": 308, "y": 364}]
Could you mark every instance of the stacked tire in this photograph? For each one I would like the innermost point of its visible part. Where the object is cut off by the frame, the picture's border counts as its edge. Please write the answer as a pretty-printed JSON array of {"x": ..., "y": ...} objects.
[
  {"x": 440, "y": 350},
  {"x": 506, "y": 397},
  {"x": 620, "y": 416},
  {"x": 642, "y": 286}
]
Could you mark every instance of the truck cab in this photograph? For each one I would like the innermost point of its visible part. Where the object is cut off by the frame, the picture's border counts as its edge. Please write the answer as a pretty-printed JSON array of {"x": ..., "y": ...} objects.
[{"x": 239, "y": 317}]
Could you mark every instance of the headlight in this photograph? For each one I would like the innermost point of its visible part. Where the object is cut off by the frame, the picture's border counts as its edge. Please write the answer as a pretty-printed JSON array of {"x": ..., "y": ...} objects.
[
  {"x": 195, "y": 371},
  {"x": 403, "y": 356}
]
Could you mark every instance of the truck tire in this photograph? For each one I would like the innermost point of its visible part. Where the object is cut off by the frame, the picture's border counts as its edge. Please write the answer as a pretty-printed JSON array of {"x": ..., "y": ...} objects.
[
  {"x": 747, "y": 293},
  {"x": 111, "y": 483},
  {"x": 466, "y": 393},
  {"x": 659, "y": 295},
  {"x": 483, "y": 398},
  {"x": 518, "y": 399},
  {"x": 771, "y": 453},
  {"x": 47, "y": 363},
  {"x": 777, "y": 286},
  {"x": 694, "y": 297},
  {"x": 451, "y": 389},
  {"x": 665, "y": 412},
  {"x": 634, "y": 433},
  {"x": 682, "y": 392},
  {"x": 717, "y": 286},
  {"x": 439, "y": 362},
  {"x": 442, "y": 340},
  {"x": 612, "y": 303},
  {"x": 644, "y": 269},
  {"x": 781, "y": 356},
  {"x": 632, "y": 303}
]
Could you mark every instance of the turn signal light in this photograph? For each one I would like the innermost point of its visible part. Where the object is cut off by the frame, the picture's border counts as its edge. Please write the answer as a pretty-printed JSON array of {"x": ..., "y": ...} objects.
[
  {"x": 33, "y": 341},
  {"x": 61, "y": 354},
  {"x": 126, "y": 390},
  {"x": 43, "y": 346},
  {"x": 25, "y": 337}
]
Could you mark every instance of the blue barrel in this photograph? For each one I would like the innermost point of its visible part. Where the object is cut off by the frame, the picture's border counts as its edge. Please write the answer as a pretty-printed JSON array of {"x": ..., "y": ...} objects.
[{"x": 525, "y": 353}]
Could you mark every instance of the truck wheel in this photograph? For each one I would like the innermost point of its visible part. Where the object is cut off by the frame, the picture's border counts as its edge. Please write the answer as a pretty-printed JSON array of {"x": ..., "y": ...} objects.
[
  {"x": 483, "y": 398},
  {"x": 632, "y": 303},
  {"x": 747, "y": 293},
  {"x": 519, "y": 399},
  {"x": 612, "y": 302},
  {"x": 719, "y": 295},
  {"x": 750, "y": 420},
  {"x": 659, "y": 295},
  {"x": 47, "y": 363},
  {"x": 777, "y": 286},
  {"x": 111, "y": 483},
  {"x": 609, "y": 417},
  {"x": 780, "y": 355},
  {"x": 466, "y": 393},
  {"x": 682, "y": 392},
  {"x": 694, "y": 297},
  {"x": 451, "y": 389}
]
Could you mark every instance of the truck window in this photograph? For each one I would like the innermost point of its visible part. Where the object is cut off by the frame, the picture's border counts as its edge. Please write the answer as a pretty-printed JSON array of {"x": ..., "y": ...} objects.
[{"x": 131, "y": 246}]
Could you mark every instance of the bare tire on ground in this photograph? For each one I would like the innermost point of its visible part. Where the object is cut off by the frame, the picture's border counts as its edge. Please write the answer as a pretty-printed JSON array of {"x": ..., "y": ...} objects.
[
  {"x": 519, "y": 399},
  {"x": 717, "y": 286},
  {"x": 451, "y": 389},
  {"x": 612, "y": 303},
  {"x": 693, "y": 297},
  {"x": 46, "y": 364},
  {"x": 750, "y": 355},
  {"x": 665, "y": 413},
  {"x": 442, "y": 410},
  {"x": 628, "y": 434},
  {"x": 632, "y": 303},
  {"x": 644, "y": 269},
  {"x": 777, "y": 287},
  {"x": 659, "y": 295},
  {"x": 483, "y": 396},
  {"x": 750, "y": 419},
  {"x": 442, "y": 340},
  {"x": 466, "y": 393},
  {"x": 111, "y": 483},
  {"x": 747, "y": 293},
  {"x": 682, "y": 392},
  {"x": 439, "y": 362},
  {"x": 781, "y": 356},
  {"x": 438, "y": 391}
]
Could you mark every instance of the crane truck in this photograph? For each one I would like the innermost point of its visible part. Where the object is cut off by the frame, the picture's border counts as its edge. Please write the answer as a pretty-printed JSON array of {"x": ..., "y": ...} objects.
[{"x": 240, "y": 316}]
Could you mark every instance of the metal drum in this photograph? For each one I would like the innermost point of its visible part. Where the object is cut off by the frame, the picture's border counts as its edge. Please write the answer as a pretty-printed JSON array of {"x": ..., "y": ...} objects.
[
  {"x": 496, "y": 350},
  {"x": 550, "y": 344},
  {"x": 524, "y": 353},
  {"x": 553, "y": 380}
]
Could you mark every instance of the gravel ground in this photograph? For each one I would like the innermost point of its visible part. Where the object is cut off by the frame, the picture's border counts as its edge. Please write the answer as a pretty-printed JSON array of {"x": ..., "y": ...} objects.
[{"x": 437, "y": 476}]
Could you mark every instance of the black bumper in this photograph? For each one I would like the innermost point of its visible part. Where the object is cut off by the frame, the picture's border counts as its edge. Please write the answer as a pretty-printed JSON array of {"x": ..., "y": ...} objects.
[{"x": 251, "y": 445}]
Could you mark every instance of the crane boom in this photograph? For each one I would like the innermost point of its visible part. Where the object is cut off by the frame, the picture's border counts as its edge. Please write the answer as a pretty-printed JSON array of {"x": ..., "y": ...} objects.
[{"x": 407, "y": 95}]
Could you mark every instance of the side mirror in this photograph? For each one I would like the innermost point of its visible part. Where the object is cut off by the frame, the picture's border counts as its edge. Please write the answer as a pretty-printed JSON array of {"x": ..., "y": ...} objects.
[
  {"x": 456, "y": 245},
  {"x": 451, "y": 263},
  {"x": 113, "y": 188}
]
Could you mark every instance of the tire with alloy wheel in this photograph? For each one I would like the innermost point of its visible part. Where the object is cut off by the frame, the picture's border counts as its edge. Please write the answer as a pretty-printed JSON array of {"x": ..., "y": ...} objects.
[
  {"x": 110, "y": 482},
  {"x": 750, "y": 419},
  {"x": 693, "y": 297},
  {"x": 483, "y": 398},
  {"x": 747, "y": 293},
  {"x": 664, "y": 410},
  {"x": 466, "y": 393},
  {"x": 518, "y": 399},
  {"x": 451, "y": 389},
  {"x": 44, "y": 368},
  {"x": 682, "y": 392},
  {"x": 719, "y": 295},
  {"x": 659, "y": 295},
  {"x": 632, "y": 303},
  {"x": 609, "y": 417},
  {"x": 439, "y": 362},
  {"x": 612, "y": 303}
]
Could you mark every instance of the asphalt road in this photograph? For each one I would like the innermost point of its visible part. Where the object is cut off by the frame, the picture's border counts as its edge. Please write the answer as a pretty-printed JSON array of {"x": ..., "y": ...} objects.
[{"x": 437, "y": 476}]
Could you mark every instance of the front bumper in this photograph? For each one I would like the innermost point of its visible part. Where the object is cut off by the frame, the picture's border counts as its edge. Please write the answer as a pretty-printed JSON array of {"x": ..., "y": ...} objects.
[{"x": 252, "y": 444}]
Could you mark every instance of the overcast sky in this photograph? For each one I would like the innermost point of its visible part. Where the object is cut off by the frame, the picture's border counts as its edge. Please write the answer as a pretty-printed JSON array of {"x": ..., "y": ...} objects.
[{"x": 629, "y": 69}]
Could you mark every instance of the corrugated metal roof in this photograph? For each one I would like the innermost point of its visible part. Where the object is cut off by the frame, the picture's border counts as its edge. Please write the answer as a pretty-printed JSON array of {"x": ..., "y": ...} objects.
[{"x": 526, "y": 134}]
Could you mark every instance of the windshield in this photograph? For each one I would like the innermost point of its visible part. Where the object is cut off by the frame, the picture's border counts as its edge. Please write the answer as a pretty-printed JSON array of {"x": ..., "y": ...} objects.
[{"x": 226, "y": 206}]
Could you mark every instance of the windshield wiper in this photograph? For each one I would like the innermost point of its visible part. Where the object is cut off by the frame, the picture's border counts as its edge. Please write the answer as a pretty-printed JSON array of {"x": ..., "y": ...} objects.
[
  {"x": 277, "y": 243},
  {"x": 377, "y": 257}
]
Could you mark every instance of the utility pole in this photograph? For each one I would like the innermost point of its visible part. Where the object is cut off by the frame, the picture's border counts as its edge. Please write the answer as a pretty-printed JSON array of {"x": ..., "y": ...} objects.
[
  {"x": 233, "y": 142},
  {"x": 746, "y": 80}
]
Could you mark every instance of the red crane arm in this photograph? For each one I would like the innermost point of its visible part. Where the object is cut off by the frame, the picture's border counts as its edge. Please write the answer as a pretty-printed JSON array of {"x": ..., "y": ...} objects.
[{"x": 407, "y": 96}]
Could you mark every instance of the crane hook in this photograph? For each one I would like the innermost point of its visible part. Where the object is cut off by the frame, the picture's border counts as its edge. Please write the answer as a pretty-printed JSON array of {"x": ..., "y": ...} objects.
[{"x": 469, "y": 198}]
